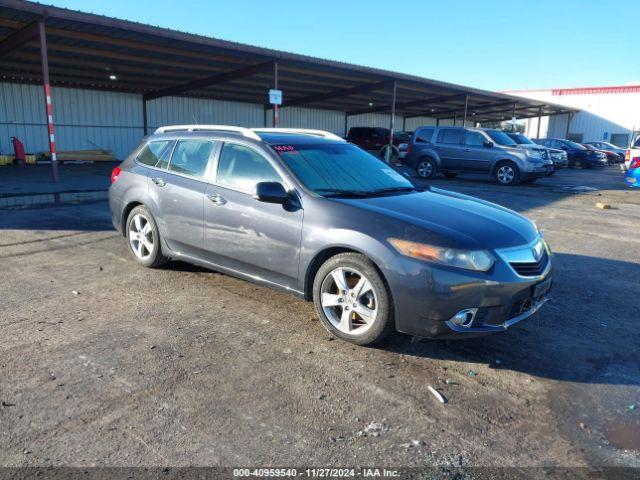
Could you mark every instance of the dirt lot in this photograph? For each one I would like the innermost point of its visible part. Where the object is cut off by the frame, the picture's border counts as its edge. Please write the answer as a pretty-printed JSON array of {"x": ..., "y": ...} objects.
[{"x": 106, "y": 363}]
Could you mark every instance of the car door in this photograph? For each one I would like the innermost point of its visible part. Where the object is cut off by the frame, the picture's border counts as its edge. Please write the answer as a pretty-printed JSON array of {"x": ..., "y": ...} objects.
[
  {"x": 258, "y": 239},
  {"x": 448, "y": 144},
  {"x": 177, "y": 187},
  {"x": 476, "y": 155}
]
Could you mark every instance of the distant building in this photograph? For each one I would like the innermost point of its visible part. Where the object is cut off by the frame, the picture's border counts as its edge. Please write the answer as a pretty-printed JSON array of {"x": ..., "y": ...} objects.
[{"x": 611, "y": 114}]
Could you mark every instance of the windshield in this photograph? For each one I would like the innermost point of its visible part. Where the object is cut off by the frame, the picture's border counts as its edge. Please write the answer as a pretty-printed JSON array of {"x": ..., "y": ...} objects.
[
  {"x": 337, "y": 169},
  {"x": 500, "y": 138},
  {"x": 522, "y": 139},
  {"x": 574, "y": 145}
]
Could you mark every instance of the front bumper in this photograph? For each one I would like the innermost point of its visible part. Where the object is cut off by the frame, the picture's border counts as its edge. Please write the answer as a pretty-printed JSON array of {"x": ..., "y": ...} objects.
[
  {"x": 426, "y": 298},
  {"x": 537, "y": 172}
]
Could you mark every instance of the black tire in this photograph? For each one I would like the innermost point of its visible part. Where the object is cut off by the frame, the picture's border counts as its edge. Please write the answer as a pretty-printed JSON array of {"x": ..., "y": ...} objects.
[
  {"x": 384, "y": 322},
  {"x": 507, "y": 173},
  {"x": 395, "y": 154},
  {"x": 155, "y": 258},
  {"x": 426, "y": 167},
  {"x": 450, "y": 175}
]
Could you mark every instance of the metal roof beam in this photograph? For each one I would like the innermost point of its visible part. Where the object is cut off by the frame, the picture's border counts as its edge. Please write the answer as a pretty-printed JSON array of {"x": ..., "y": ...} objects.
[
  {"x": 412, "y": 103},
  {"x": 471, "y": 108},
  {"x": 340, "y": 92},
  {"x": 211, "y": 80},
  {"x": 16, "y": 39}
]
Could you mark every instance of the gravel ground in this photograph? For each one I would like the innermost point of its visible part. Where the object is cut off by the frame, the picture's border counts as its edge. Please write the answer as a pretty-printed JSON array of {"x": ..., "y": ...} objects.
[{"x": 105, "y": 363}]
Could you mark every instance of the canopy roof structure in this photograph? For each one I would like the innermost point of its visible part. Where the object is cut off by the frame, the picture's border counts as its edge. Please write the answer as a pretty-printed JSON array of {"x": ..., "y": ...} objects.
[{"x": 92, "y": 51}]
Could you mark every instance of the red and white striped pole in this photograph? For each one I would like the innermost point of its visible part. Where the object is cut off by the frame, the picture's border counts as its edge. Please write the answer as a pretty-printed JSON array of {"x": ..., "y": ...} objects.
[{"x": 47, "y": 97}]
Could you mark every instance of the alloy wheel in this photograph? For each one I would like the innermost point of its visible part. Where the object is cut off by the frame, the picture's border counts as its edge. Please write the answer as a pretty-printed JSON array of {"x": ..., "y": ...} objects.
[
  {"x": 349, "y": 300},
  {"x": 506, "y": 174},
  {"x": 141, "y": 237},
  {"x": 425, "y": 169}
]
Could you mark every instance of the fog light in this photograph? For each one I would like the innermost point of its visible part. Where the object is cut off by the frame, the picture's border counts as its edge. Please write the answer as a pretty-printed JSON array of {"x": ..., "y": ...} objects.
[{"x": 464, "y": 318}]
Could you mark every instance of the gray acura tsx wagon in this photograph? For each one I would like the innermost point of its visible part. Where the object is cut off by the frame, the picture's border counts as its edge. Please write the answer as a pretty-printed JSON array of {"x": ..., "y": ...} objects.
[{"x": 306, "y": 212}]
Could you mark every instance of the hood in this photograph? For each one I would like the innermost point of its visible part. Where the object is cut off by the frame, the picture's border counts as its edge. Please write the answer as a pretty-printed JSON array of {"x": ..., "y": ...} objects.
[{"x": 445, "y": 219}]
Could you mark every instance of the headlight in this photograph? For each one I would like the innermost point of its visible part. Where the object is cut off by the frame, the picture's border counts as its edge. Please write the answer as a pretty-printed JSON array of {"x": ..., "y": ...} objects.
[
  {"x": 479, "y": 260},
  {"x": 533, "y": 153}
]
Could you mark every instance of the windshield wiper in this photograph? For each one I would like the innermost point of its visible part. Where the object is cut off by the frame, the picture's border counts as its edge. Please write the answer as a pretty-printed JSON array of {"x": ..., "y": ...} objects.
[
  {"x": 394, "y": 190},
  {"x": 335, "y": 192}
]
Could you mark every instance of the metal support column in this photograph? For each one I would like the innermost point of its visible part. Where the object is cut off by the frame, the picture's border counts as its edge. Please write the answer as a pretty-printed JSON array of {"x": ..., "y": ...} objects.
[
  {"x": 569, "y": 118},
  {"x": 466, "y": 106},
  {"x": 455, "y": 119},
  {"x": 346, "y": 123},
  {"x": 404, "y": 124},
  {"x": 437, "y": 122},
  {"x": 392, "y": 122},
  {"x": 144, "y": 116},
  {"x": 539, "y": 121},
  {"x": 513, "y": 116},
  {"x": 44, "y": 57},
  {"x": 275, "y": 86}
]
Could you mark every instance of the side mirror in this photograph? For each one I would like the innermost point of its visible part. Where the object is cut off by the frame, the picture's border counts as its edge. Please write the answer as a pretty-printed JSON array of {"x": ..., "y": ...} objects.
[
  {"x": 270, "y": 192},
  {"x": 488, "y": 144}
]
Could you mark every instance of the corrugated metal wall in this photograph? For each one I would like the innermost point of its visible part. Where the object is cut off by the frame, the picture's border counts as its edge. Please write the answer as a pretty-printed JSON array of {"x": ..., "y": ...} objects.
[
  {"x": 181, "y": 110},
  {"x": 113, "y": 120},
  {"x": 108, "y": 119},
  {"x": 299, "y": 117}
]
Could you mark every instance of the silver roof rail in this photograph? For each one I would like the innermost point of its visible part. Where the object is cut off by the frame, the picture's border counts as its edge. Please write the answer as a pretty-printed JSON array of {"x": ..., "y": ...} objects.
[
  {"x": 245, "y": 132},
  {"x": 303, "y": 131}
]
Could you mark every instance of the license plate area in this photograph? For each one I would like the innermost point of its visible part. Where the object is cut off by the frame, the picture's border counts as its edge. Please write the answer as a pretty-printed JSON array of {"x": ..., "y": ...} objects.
[{"x": 541, "y": 289}]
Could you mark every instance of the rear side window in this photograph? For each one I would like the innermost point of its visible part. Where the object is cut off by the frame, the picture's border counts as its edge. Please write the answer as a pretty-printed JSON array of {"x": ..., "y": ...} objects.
[
  {"x": 241, "y": 167},
  {"x": 153, "y": 152},
  {"x": 424, "y": 135},
  {"x": 450, "y": 135},
  {"x": 190, "y": 157}
]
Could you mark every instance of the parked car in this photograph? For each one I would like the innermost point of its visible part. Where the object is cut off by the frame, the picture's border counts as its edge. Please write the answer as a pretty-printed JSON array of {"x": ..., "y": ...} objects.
[
  {"x": 305, "y": 212},
  {"x": 609, "y": 147},
  {"x": 632, "y": 152},
  {"x": 454, "y": 150},
  {"x": 502, "y": 138},
  {"x": 632, "y": 176},
  {"x": 577, "y": 155},
  {"x": 612, "y": 158},
  {"x": 376, "y": 139},
  {"x": 558, "y": 157}
]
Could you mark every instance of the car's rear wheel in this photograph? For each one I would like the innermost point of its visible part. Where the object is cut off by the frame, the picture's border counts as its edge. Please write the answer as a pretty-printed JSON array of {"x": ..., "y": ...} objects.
[
  {"x": 144, "y": 238},
  {"x": 426, "y": 168},
  {"x": 352, "y": 299},
  {"x": 507, "y": 173}
]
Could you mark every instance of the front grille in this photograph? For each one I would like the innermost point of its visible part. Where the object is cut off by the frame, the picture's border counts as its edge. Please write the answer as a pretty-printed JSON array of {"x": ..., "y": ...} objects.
[
  {"x": 531, "y": 269},
  {"x": 545, "y": 154}
]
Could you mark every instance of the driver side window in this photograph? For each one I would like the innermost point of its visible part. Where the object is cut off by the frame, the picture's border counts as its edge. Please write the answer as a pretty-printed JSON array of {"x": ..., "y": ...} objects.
[
  {"x": 475, "y": 139},
  {"x": 241, "y": 167}
]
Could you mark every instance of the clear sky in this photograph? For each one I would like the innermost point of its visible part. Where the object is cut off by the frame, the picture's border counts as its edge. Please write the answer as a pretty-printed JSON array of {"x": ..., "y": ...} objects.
[{"x": 496, "y": 45}]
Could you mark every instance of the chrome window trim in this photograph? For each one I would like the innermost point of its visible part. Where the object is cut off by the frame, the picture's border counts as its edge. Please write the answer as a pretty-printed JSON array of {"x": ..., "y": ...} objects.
[{"x": 214, "y": 177}]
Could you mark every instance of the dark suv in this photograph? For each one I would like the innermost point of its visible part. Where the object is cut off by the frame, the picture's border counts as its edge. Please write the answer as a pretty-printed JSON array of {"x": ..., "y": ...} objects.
[
  {"x": 453, "y": 150},
  {"x": 577, "y": 155},
  {"x": 376, "y": 139}
]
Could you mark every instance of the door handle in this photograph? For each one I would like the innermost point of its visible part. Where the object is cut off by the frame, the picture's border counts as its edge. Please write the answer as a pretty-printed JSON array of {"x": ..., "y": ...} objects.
[
  {"x": 216, "y": 199},
  {"x": 159, "y": 181}
]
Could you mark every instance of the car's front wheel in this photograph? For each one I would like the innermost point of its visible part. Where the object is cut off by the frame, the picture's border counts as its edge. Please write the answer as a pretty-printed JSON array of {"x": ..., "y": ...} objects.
[
  {"x": 507, "y": 173},
  {"x": 352, "y": 299},
  {"x": 144, "y": 238}
]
